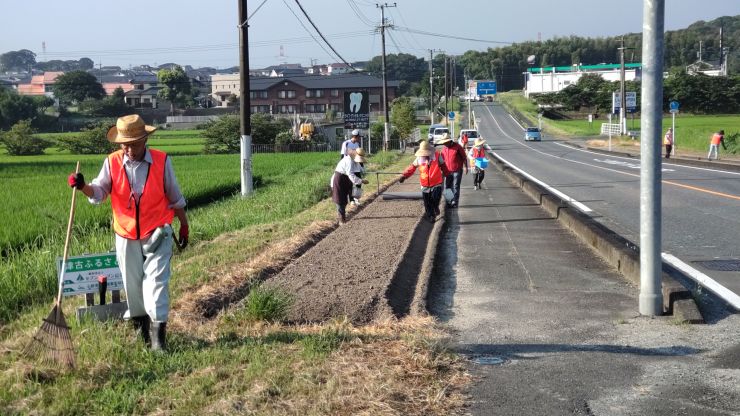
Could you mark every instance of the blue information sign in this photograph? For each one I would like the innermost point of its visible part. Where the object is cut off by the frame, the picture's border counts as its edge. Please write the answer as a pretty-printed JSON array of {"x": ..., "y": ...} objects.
[
  {"x": 674, "y": 105},
  {"x": 451, "y": 115},
  {"x": 486, "y": 87}
]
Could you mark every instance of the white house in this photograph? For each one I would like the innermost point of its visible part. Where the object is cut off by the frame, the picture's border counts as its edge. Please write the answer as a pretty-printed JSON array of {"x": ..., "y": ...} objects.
[{"x": 555, "y": 78}]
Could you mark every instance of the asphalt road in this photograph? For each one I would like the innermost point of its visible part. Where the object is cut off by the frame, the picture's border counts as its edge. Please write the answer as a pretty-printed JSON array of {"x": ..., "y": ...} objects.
[{"x": 701, "y": 206}]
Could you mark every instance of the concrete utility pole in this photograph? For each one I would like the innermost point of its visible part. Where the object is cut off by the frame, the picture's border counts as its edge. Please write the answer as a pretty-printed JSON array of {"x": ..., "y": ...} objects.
[
  {"x": 431, "y": 87},
  {"x": 244, "y": 102},
  {"x": 623, "y": 97},
  {"x": 383, "y": 25},
  {"x": 446, "y": 87},
  {"x": 651, "y": 297}
]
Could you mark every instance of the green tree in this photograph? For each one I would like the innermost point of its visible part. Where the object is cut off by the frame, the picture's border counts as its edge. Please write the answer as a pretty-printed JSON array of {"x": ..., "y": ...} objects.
[
  {"x": 403, "y": 116},
  {"x": 22, "y": 60},
  {"x": 76, "y": 86},
  {"x": 20, "y": 141},
  {"x": 91, "y": 140},
  {"x": 403, "y": 67},
  {"x": 222, "y": 135},
  {"x": 176, "y": 86},
  {"x": 14, "y": 108}
]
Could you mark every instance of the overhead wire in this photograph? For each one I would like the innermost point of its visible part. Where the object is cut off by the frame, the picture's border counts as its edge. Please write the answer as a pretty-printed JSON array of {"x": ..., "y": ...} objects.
[
  {"x": 322, "y": 37},
  {"x": 256, "y": 10},
  {"x": 440, "y": 35},
  {"x": 356, "y": 10},
  {"x": 306, "y": 29},
  {"x": 411, "y": 35}
]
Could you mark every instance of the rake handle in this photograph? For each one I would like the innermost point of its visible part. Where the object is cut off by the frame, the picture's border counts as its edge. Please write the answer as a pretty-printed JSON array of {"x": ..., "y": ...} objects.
[{"x": 67, "y": 238}]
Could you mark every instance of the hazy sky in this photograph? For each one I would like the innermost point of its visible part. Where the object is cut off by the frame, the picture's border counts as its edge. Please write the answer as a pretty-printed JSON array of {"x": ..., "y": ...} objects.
[{"x": 204, "y": 33}]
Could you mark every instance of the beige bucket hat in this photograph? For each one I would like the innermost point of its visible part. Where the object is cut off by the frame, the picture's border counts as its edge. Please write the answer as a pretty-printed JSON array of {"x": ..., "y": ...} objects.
[
  {"x": 359, "y": 155},
  {"x": 445, "y": 138},
  {"x": 478, "y": 142},
  {"x": 425, "y": 149},
  {"x": 129, "y": 129}
]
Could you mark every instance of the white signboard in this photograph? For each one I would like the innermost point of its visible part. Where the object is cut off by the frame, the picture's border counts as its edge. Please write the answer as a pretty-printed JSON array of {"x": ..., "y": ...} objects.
[
  {"x": 631, "y": 101},
  {"x": 81, "y": 274}
]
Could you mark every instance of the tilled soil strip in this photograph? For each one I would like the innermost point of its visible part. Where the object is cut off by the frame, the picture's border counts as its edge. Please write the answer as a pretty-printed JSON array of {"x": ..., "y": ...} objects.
[{"x": 364, "y": 270}]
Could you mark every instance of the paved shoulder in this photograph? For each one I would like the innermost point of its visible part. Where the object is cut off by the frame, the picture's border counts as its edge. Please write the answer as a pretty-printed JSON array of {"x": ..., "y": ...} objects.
[{"x": 522, "y": 291}]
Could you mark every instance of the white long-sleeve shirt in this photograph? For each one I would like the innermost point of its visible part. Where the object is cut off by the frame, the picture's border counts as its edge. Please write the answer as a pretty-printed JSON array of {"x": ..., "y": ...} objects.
[
  {"x": 137, "y": 172},
  {"x": 348, "y": 167}
]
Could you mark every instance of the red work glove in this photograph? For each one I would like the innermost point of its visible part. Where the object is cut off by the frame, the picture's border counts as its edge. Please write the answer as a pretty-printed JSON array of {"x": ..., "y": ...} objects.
[
  {"x": 76, "y": 180},
  {"x": 184, "y": 233}
]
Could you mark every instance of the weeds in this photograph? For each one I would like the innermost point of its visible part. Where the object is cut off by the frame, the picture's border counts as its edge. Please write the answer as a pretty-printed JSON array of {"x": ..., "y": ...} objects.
[{"x": 266, "y": 304}]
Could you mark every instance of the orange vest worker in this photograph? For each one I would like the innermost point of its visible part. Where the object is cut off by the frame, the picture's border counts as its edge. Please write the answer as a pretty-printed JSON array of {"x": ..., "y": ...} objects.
[{"x": 137, "y": 221}]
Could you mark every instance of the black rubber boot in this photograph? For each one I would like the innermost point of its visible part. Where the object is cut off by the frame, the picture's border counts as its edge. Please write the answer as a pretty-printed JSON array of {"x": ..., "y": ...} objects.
[
  {"x": 142, "y": 324},
  {"x": 159, "y": 336}
]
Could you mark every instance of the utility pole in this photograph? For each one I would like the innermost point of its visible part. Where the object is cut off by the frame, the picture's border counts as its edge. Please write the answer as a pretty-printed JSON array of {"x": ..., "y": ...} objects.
[
  {"x": 446, "y": 86},
  {"x": 431, "y": 87},
  {"x": 244, "y": 102},
  {"x": 651, "y": 296},
  {"x": 623, "y": 97},
  {"x": 383, "y": 26}
]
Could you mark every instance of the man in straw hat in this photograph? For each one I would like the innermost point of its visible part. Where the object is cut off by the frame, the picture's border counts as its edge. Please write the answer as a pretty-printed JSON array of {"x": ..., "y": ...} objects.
[
  {"x": 145, "y": 196},
  {"x": 478, "y": 151},
  {"x": 432, "y": 171},
  {"x": 455, "y": 160},
  {"x": 344, "y": 180}
]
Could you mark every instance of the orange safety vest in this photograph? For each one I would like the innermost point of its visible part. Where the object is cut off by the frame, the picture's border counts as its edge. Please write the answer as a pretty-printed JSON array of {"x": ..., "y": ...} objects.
[
  {"x": 716, "y": 138},
  {"x": 431, "y": 174},
  {"x": 479, "y": 152},
  {"x": 132, "y": 220}
]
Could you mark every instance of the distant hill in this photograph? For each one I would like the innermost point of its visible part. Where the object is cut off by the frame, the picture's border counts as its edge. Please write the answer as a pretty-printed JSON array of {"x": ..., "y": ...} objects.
[{"x": 507, "y": 64}]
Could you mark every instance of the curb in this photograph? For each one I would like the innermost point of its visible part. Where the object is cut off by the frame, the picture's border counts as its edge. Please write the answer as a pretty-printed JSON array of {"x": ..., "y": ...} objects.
[
  {"x": 615, "y": 249},
  {"x": 421, "y": 294}
]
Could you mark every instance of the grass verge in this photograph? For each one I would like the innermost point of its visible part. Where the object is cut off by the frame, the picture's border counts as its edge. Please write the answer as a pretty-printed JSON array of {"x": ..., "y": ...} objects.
[{"x": 241, "y": 362}]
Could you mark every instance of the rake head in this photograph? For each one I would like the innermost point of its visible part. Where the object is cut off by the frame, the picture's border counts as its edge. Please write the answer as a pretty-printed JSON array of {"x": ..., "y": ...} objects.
[{"x": 52, "y": 342}]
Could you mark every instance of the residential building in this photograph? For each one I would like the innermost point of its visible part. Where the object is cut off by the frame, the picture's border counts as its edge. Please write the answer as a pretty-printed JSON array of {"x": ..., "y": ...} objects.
[
  {"x": 40, "y": 84},
  {"x": 301, "y": 94},
  {"x": 337, "y": 69},
  {"x": 555, "y": 78}
]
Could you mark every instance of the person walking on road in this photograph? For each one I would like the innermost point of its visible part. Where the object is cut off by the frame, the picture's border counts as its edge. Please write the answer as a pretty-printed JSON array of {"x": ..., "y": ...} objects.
[
  {"x": 432, "y": 170},
  {"x": 668, "y": 142},
  {"x": 717, "y": 139},
  {"x": 145, "y": 197},
  {"x": 478, "y": 151},
  {"x": 456, "y": 160},
  {"x": 344, "y": 180},
  {"x": 351, "y": 144}
]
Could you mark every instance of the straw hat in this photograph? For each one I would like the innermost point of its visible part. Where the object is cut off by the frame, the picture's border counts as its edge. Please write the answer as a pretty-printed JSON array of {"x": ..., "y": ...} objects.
[
  {"x": 425, "y": 149},
  {"x": 445, "y": 138},
  {"x": 478, "y": 142},
  {"x": 359, "y": 155},
  {"x": 129, "y": 129}
]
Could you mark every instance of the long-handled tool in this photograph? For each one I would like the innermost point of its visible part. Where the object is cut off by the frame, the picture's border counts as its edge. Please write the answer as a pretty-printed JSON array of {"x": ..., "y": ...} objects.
[{"x": 52, "y": 341}]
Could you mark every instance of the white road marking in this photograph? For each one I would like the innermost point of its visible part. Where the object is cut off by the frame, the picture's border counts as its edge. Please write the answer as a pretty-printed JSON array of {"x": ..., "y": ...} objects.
[
  {"x": 729, "y": 296},
  {"x": 562, "y": 196}
]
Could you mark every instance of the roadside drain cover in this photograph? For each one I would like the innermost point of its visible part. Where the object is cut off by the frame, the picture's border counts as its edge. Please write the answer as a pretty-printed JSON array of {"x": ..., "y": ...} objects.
[
  {"x": 721, "y": 265},
  {"x": 488, "y": 360}
]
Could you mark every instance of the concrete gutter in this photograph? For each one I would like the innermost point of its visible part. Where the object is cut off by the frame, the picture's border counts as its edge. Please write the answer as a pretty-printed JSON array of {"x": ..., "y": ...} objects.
[{"x": 621, "y": 253}]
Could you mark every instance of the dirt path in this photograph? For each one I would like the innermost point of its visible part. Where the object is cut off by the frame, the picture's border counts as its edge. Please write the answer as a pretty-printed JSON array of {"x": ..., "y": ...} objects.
[{"x": 364, "y": 270}]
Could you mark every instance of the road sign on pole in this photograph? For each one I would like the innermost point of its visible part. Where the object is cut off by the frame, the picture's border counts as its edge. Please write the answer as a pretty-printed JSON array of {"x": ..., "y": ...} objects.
[{"x": 486, "y": 88}]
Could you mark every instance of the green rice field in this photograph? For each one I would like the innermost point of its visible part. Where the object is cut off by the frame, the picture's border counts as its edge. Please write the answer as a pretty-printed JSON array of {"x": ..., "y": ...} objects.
[{"x": 37, "y": 200}]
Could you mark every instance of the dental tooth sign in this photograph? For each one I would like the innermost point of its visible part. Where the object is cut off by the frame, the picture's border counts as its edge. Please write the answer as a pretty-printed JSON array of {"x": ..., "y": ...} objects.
[
  {"x": 356, "y": 109},
  {"x": 355, "y": 101}
]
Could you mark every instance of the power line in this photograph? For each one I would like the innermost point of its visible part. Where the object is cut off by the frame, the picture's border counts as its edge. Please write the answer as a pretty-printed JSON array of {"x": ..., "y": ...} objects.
[
  {"x": 306, "y": 29},
  {"x": 359, "y": 14},
  {"x": 257, "y": 9},
  {"x": 322, "y": 37},
  {"x": 411, "y": 35},
  {"x": 439, "y": 35}
]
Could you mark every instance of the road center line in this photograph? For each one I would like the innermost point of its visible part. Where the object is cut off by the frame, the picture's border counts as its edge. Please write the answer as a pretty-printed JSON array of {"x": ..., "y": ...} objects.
[{"x": 667, "y": 182}]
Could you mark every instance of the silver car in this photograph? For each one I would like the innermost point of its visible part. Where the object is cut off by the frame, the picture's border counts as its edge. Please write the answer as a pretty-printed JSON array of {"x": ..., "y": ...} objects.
[{"x": 532, "y": 134}]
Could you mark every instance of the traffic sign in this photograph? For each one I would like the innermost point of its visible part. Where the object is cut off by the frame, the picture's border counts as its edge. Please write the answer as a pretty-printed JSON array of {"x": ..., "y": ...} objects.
[
  {"x": 674, "y": 107},
  {"x": 486, "y": 87},
  {"x": 451, "y": 115}
]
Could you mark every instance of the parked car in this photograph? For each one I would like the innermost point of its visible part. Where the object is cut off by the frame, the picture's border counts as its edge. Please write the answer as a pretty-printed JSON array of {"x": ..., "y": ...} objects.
[{"x": 532, "y": 134}]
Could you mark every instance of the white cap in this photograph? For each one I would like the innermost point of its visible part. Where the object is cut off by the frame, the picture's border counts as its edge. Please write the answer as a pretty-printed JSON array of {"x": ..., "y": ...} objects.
[{"x": 355, "y": 132}]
